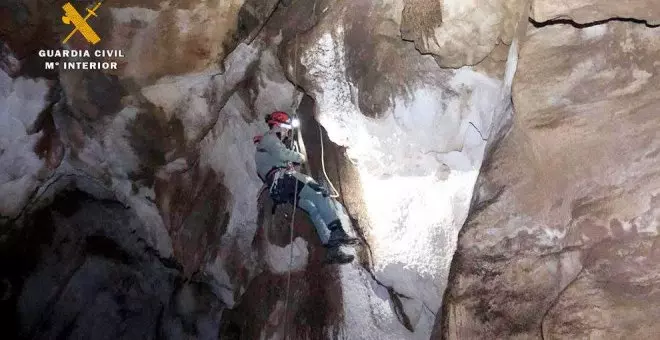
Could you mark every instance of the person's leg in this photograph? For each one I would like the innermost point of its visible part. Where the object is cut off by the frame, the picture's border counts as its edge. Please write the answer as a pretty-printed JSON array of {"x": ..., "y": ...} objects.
[
  {"x": 319, "y": 223},
  {"x": 325, "y": 209},
  {"x": 317, "y": 205},
  {"x": 284, "y": 190},
  {"x": 313, "y": 192}
]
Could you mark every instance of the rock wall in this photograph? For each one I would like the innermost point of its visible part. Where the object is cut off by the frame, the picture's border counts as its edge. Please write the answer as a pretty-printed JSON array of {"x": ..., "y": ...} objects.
[
  {"x": 145, "y": 174},
  {"x": 295, "y": 295},
  {"x": 413, "y": 135},
  {"x": 561, "y": 238},
  {"x": 459, "y": 33},
  {"x": 84, "y": 270},
  {"x": 169, "y": 135}
]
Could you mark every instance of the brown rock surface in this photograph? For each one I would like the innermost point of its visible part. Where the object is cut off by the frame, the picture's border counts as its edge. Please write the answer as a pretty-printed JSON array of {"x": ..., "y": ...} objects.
[
  {"x": 460, "y": 32},
  {"x": 312, "y": 308},
  {"x": 561, "y": 238}
]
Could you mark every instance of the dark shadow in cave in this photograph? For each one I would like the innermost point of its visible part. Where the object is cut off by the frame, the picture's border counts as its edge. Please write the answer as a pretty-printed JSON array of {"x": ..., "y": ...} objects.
[{"x": 81, "y": 268}]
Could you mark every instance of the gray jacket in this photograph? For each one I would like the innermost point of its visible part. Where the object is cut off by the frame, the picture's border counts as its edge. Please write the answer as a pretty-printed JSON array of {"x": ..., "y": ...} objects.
[{"x": 272, "y": 153}]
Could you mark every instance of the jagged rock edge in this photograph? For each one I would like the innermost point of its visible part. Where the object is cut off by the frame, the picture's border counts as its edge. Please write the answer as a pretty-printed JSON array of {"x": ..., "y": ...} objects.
[
  {"x": 567, "y": 20},
  {"x": 434, "y": 55}
]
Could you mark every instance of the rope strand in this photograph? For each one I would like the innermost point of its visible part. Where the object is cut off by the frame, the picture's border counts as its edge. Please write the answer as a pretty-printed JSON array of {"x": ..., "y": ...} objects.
[
  {"x": 288, "y": 279},
  {"x": 295, "y": 207}
]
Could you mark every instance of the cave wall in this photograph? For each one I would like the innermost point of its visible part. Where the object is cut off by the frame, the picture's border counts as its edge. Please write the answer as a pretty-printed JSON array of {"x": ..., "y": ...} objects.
[
  {"x": 414, "y": 134},
  {"x": 561, "y": 239},
  {"x": 169, "y": 139},
  {"x": 81, "y": 268},
  {"x": 406, "y": 97},
  {"x": 169, "y": 136}
]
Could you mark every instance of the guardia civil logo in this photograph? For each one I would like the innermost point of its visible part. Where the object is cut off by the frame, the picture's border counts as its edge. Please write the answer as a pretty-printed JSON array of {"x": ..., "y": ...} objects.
[
  {"x": 71, "y": 16},
  {"x": 79, "y": 59}
]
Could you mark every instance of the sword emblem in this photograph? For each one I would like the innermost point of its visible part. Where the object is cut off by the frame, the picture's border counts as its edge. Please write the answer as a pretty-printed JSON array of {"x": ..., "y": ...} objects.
[{"x": 80, "y": 24}]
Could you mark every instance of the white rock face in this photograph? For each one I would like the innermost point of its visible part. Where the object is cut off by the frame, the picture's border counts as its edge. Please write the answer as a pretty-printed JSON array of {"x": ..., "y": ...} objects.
[
  {"x": 417, "y": 168},
  {"x": 281, "y": 260},
  {"x": 21, "y": 101}
]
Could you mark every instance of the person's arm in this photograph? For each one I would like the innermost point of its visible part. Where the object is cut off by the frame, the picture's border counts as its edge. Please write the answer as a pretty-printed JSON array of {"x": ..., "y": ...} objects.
[
  {"x": 288, "y": 154},
  {"x": 279, "y": 150}
]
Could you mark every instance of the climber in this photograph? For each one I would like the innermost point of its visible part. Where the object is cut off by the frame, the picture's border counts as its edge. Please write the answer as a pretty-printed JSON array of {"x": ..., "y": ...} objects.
[{"x": 276, "y": 167}]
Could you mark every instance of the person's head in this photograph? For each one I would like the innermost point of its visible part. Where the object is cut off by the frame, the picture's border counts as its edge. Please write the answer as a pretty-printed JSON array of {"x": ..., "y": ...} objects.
[{"x": 280, "y": 123}]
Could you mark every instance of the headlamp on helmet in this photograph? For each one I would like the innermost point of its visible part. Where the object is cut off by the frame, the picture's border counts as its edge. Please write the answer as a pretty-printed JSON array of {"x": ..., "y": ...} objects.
[{"x": 280, "y": 119}]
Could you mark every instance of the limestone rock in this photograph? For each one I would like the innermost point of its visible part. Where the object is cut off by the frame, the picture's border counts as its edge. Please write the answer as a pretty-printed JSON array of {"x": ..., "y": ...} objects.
[
  {"x": 158, "y": 139},
  {"x": 459, "y": 32},
  {"x": 567, "y": 202},
  {"x": 174, "y": 38},
  {"x": 162, "y": 149},
  {"x": 23, "y": 102}
]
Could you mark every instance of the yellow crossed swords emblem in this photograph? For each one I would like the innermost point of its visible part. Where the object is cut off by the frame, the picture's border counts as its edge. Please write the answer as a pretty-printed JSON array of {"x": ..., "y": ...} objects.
[{"x": 80, "y": 23}]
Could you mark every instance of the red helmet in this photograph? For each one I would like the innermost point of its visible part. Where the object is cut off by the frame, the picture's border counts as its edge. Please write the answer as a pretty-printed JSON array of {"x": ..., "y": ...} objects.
[{"x": 279, "y": 118}]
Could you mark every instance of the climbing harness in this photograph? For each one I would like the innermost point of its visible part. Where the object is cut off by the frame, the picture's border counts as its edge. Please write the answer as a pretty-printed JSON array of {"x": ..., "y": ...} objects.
[{"x": 277, "y": 174}]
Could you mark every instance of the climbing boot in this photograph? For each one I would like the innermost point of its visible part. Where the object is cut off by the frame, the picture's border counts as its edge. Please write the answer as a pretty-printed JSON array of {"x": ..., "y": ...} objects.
[
  {"x": 338, "y": 236},
  {"x": 335, "y": 255}
]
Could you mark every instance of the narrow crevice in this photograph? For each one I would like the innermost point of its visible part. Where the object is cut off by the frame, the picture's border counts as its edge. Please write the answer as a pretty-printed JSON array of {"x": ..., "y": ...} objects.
[
  {"x": 399, "y": 310},
  {"x": 394, "y": 295},
  {"x": 366, "y": 261},
  {"x": 587, "y": 259},
  {"x": 215, "y": 104},
  {"x": 479, "y": 132},
  {"x": 167, "y": 262},
  {"x": 563, "y": 250},
  {"x": 554, "y": 302},
  {"x": 481, "y": 203},
  {"x": 435, "y": 314},
  {"x": 271, "y": 11},
  {"x": 564, "y": 21},
  {"x": 367, "y": 265}
]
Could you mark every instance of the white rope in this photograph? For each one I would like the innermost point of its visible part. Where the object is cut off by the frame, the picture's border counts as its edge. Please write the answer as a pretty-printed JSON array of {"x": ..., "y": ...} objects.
[
  {"x": 293, "y": 216},
  {"x": 336, "y": 193},
  {"x": 288, "y": 279}
]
